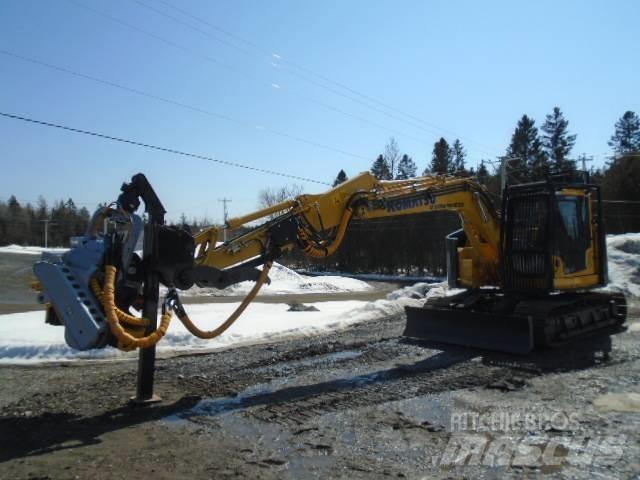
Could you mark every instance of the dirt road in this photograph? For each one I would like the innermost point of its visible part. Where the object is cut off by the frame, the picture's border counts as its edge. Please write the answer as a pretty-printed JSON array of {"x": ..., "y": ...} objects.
[{"x": 360, "y": 403}]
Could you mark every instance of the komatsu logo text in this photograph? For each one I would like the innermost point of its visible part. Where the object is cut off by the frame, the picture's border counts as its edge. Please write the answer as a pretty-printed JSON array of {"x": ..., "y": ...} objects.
[{"x": 407, "y": 203}]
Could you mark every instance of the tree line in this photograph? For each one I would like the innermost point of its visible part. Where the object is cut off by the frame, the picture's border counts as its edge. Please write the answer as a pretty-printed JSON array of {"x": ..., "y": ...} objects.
[
  {"x": 532, "y": 154},
  {"x": 25, "y": 224}
]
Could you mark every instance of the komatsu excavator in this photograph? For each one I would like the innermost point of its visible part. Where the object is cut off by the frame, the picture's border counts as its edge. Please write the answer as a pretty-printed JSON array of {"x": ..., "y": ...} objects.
[{"x": 528, "y": 271}]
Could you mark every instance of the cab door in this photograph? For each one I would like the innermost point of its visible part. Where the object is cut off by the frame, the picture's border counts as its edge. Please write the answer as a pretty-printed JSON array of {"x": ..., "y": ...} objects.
[{"x": 576, "y": 229}]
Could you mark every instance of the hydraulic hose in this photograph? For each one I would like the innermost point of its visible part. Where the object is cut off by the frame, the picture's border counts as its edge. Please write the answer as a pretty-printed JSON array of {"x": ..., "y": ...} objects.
[
  {"x": 319, "y": 250},
  {"x": 123, "y": 316},
  {"x": 126, "y": 341},
  {"x": 174, "y": 302}
]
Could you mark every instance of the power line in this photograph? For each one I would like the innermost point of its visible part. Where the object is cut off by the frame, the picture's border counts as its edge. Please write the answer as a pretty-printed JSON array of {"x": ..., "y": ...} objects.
[
  {"x": 249, "y": 76},
  {"x": 243, "y": 123},
  {"x": 235, "y": 70},
  {"x": 308, "y": 71},
  {"x": 159, "y": 148}
]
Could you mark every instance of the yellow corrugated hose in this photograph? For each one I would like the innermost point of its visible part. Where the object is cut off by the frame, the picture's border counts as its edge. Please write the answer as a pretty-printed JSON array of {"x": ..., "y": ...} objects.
[
  {"x": 127, "y": 341},
  {"x": 124, "y": 317}
]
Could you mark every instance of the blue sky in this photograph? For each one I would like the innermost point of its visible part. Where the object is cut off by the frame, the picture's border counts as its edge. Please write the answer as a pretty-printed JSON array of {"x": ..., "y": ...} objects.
[{"x": 463, "y": 69}]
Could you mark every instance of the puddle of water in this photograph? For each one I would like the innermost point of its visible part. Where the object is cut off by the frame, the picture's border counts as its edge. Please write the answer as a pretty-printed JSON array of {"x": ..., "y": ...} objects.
[
  {"x": 328, "y": 358},
  {"x": 436, "y": 408},
  {"x": 217, "y": 406},
  {"x": 278, "y": 390},
  {"x": 337, "y": 356}
]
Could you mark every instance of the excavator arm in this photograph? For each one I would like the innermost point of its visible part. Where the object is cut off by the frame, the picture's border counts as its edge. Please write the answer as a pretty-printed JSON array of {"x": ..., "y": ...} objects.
[{"x": 318, "y": 223}]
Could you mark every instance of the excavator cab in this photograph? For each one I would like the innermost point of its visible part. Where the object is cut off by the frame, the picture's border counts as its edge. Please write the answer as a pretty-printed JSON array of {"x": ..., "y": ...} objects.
[{"x": 552, "y": 238}]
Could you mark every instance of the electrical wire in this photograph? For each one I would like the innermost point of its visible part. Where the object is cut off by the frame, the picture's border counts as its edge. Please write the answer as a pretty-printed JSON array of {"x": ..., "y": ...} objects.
[
  {"x": 242, "y": 73},
  {"x": 308, "y": 71},
  {"x": 243, "y": 123},
  {"x": 433, "y": 129},
  {"x": 159, "y": 148}
]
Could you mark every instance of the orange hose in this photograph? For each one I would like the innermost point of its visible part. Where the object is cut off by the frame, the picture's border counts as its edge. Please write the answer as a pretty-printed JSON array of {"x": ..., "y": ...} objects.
[
  {"x": 126, "y": 341},
  {"x": 204, "y": 334}
]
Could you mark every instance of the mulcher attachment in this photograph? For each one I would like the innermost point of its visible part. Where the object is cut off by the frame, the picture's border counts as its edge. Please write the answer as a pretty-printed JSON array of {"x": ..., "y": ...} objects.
[{"x": 496, "y": 321}]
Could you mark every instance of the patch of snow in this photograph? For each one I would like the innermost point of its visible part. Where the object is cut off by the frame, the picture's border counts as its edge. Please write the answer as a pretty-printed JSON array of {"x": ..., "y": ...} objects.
[
  {"x": 623, "y": 252},
  {"x": 30, "y": 250},
  {"x": 285, "y": 281},
  {"x": 618, "y": 402},
  {"x": 377, "y": 277}
]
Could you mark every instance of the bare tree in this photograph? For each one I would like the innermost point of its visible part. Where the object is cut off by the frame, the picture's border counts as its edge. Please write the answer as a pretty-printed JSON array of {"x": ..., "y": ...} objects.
[
  {"x": 272, "y": 196},
  {"x": 392, "y": 155}
]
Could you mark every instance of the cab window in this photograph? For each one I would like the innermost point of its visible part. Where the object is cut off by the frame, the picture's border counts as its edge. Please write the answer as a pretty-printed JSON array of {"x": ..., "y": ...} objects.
[{"x": 573, "y": 232}]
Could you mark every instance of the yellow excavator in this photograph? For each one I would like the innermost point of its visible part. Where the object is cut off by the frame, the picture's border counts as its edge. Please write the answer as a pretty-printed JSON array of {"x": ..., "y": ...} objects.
[{"x": 528, "y": 271}]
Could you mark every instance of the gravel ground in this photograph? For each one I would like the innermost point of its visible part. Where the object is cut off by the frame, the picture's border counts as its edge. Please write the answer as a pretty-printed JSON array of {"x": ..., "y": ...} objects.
[{"x": 360, "y": 403}]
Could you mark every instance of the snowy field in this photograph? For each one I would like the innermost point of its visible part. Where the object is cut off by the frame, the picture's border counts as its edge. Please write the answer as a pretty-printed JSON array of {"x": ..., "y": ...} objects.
[{"x": 24, "y": 338}]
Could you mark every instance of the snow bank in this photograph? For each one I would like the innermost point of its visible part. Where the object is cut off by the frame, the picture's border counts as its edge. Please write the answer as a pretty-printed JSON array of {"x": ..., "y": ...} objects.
[
  {"x": 624, "y": 264},
  {"x": 286, "y": 281},
  {"x": 377, "y": 277},
  {"x": 30, "y": 250}
]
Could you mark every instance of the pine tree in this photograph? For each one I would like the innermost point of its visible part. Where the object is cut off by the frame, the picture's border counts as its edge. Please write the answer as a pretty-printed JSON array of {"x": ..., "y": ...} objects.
[
  {"x": 483, "y": 173},
  {"x": 621, "y": 179},
  {"x": 406, "y": 168},
  {"x": 392, "y": 155},
  {"x": 441, "y": 157},
  {"x": 557, "y": 142},
  {"x": 380, "y": 169},
  {"x": 458, "y": 156},
  {"x": 18, "y": 228},
  {"x": 527, "y": 160},
  {"x": 626, "y": 139},
  {"x": 341, "y": 178}
]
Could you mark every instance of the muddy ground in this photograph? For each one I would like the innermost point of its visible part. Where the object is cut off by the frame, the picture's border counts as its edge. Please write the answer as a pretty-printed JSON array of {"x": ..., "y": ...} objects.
[{"x": 359, "y": 403}]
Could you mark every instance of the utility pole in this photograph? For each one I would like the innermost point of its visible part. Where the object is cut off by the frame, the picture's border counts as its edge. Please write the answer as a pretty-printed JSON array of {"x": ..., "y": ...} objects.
[
  {"x": 504, "y": 163},
  {"x": 47, "y": 222},
  {"x": 503, "y": 174},
  {"x": 224, "y": 202},
  {"x": 584, "y": 159}
]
